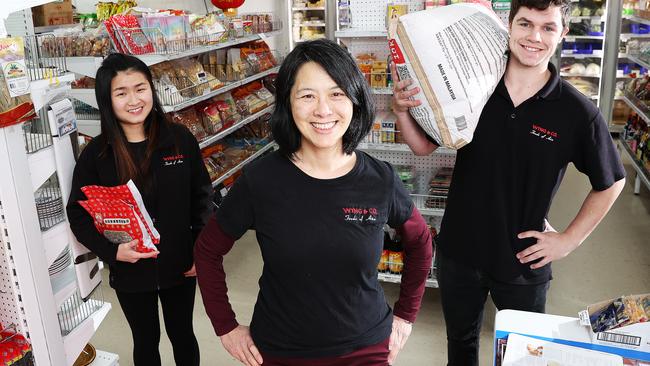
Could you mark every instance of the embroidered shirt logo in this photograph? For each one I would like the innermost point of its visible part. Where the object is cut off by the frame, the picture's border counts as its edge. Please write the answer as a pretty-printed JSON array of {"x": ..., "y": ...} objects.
[
  {"x": 173, "y": 159},
  {"x": 543, "y": 133},
  {"x": 354, "y": 214}
]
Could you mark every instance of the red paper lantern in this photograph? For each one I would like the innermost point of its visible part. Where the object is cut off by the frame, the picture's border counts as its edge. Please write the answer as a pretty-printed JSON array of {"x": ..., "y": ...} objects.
[{"x": 227, "y": 4}]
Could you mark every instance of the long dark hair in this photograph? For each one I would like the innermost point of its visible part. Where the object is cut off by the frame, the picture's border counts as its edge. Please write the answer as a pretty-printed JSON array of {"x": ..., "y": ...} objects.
[
  {"x": 340, "y": 66},
  {"x": 112, "y": 134}
]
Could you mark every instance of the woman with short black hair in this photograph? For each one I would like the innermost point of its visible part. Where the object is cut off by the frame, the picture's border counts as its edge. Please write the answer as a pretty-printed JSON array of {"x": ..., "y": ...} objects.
[
  {"x": 318, "y": 207},
  {"x": 163, "y": 159}
]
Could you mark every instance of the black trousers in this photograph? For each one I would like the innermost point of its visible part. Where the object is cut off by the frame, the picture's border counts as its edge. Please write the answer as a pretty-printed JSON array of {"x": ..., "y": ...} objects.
[
  {"x": 141, "y": 311},
  {"x": 463, "y": 291}
]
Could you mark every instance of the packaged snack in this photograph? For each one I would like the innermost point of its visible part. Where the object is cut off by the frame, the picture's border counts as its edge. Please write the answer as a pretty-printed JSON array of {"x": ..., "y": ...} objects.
[
  {"x": 213, "y": 124},
  {"x": 452, "y": 100},
  {"x": 227, "y": 109},
  {"x": 130, "y": 194},
  {"x": 131, "y": 36},
  {"x": 190, "y": 119},
  {"x": 396, "y": 262},
  {"x": 120, "y": 216}
]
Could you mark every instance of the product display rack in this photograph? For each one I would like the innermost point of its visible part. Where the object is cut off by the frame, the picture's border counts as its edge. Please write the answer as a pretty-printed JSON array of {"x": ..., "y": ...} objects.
[
  {"x": 301, "y": 26},
  {"x": 642, "y": 172},
  {"x": 46, "y": 307}
]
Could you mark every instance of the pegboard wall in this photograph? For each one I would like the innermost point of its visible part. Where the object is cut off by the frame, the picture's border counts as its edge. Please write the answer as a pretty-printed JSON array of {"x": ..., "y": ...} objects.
[
  {"x": 371, "y": 14},
  {"x": 425, "y": 166},
  {"x": 11, "y": 308}
]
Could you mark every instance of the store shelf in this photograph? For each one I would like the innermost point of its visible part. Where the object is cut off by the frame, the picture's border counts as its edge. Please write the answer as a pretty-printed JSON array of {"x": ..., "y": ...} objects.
[
  {"x": 637, "y": 19},
  {"x": 89, "y": 127},
  {"x": 312, "y": 24},
  {"x": 627, "y": 36},
  {"x": 638, "y": 61},
  {"x": 104, "y": 358},
  {"x": 395, "y": 278},
  {"x": 578, "y": 19},
  {"x": 41, "y": 166},
  {"x": 64, "y": 285},
  {"x": 570, "y": 75},
  {"x": 596, "y": 54},
  {"x": 237, "y": 168},
  {"x": 52, "y": 28},
  {"x": 158, "y": 58},
  {"x": 571, "y": 38},
  {"x": 359, "y": 33},
  {"x": 75, "y": 341},
  {"x": 641, "y": 171},
  {"x": 88, "y": 65},
  {"x": 222, "y": 90},
  {"x": 54, "y": 241},
  {"x": 365, "y": 146},
  {"x": 85, "y": 95},
  {"x": 634, "y": 107},
  {"x": 212, "y": 139},
  {"x": 382, "y": 91},
  {"x": 306, "y": 8}
]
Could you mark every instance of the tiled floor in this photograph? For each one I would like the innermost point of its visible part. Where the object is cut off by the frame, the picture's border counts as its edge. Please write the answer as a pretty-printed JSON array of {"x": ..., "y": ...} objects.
[{"x": 615, "y": 260}]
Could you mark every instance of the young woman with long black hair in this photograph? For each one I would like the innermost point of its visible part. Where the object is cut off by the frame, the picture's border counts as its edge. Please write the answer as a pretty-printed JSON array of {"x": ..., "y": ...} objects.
[{"x": 138, "y": 143}]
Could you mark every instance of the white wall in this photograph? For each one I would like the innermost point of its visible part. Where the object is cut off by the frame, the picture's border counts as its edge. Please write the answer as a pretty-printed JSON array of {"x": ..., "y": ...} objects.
[{"x": 277, "y": 7}]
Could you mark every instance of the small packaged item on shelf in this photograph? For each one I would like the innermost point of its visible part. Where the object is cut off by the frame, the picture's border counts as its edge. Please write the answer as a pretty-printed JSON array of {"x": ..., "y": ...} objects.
[
  {"x": 213, "y": 124},
  {"x": 15, "y": 103},
  {"x": 211, "y": 24},
  {"x": 130, "y": 35},
  {"x": 228, "y": 109},
  {"x": 190, "y": 119}
]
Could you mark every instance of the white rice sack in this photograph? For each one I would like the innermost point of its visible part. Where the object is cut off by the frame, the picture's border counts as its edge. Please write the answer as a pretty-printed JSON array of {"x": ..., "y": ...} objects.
[{"x": 456, "y": 54}]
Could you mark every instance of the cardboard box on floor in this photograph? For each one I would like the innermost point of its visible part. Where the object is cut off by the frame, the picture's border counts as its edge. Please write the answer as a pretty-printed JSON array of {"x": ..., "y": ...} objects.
[
  {"x": 54, "y": 13},
  {"x": 635, "y": 337}
]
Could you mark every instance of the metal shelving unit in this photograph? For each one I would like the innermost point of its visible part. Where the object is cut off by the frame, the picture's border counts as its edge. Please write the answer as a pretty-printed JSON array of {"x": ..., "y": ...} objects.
[
  {"x": 296, "y": 25},
  {"x": 226, "y": 88},
  {"x": 238, "y": 167},
  {"x": 642, "y": 173}
]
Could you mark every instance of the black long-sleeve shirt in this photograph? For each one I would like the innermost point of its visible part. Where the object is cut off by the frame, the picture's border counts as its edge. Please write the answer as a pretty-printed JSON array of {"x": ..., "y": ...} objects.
[{"x": 177, "y": 200}]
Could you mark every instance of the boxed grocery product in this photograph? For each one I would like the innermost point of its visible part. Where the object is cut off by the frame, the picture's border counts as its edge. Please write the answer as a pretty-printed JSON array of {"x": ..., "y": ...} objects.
[
  {"x": 621, "y": 322},
  {"x": 54, "y": 13},
  {"x": 456, "y": 55}
]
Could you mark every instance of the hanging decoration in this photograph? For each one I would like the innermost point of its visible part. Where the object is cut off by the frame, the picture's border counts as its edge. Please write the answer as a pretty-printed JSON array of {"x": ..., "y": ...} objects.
[{"x": 229, "y": 7}]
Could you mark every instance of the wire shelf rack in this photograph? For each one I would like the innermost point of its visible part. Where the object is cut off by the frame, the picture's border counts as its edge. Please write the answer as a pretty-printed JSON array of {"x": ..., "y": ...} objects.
[
  {"x": 84, "y": 111},
  {"x": 152, "y": 41},
  {"x": 49, "y": 203},
  {"x": 37, "y": 134},
  {"x": 44, "y": 62},
  {"x": 75, "y": 310}
]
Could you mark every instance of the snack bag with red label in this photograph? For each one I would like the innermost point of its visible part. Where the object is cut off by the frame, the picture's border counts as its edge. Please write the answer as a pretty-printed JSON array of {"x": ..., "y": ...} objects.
[
  {"x": 118, "y": 222},
  {"x": 129, "y": 194}
]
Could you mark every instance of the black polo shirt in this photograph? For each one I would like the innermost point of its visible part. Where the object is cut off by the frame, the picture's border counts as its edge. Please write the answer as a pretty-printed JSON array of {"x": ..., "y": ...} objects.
[{"x": 505, "y": 179}]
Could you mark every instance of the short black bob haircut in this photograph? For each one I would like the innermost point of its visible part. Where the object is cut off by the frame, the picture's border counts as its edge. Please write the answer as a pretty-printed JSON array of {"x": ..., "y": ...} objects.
[{"x": 340, "y": 66}]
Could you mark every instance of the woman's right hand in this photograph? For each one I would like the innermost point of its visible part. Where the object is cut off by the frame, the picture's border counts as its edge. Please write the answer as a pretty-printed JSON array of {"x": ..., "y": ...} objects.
[
  {"x": 126, "y": 252},
  {"x": 239, "y": 344}
]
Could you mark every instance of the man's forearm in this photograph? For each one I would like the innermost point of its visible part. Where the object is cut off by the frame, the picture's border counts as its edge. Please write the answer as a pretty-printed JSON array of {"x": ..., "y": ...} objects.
[
  {"x": 414, "y": 135},
  {"x": 593, "y": 210}
]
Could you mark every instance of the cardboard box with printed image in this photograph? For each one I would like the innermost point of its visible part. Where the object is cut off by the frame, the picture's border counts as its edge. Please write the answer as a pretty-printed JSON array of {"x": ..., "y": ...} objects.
[
  {"x": 623, "y": 322},
  {"x": 54, "y": 13}
]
